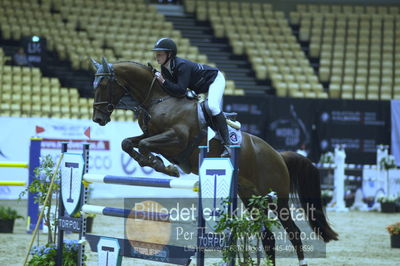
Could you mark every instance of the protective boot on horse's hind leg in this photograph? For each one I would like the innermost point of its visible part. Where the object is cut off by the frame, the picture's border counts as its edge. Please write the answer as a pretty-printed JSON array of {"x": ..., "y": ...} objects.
[{"x": 219, "y": 121}]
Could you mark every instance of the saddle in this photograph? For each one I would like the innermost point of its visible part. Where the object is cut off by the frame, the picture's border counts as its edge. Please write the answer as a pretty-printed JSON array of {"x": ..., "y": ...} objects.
[{"x": 230, "y": 117}]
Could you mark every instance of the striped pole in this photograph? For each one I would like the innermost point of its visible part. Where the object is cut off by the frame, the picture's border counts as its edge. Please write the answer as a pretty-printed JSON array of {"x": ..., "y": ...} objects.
[
  {"x": 14, "y": 164},
  {"x": 142, "y": 181},
  {"x": 12, "y": 183},
  {"x": 346, "y": 166},
  {"x": 126, "y": 213}
]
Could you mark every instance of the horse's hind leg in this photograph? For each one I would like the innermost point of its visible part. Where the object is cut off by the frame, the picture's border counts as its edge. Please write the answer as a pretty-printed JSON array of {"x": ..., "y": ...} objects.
[
  {"x": 291, "y": 228},
  {"x": 268, "y": 240}
]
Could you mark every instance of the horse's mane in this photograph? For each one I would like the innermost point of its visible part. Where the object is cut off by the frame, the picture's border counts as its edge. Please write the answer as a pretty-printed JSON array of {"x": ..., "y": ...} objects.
[{"x": 135, "y": 63}]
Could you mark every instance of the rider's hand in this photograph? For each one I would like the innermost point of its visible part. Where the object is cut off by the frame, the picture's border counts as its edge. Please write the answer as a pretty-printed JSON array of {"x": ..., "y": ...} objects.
[{"x": 159, "y": 77}]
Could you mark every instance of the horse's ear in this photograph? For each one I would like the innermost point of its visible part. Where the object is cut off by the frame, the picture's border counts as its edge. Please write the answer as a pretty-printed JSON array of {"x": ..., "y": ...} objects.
[
  {"x": 105, "y": 64},
  {"x": 95, "y": 64}
]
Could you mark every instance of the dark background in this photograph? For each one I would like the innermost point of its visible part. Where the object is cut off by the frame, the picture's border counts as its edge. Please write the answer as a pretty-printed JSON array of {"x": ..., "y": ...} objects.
[{"x": 316, "y": 124}]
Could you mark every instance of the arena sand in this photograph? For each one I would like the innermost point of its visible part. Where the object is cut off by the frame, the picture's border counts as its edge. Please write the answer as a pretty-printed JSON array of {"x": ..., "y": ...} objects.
[{"x": 363, "y": 239}]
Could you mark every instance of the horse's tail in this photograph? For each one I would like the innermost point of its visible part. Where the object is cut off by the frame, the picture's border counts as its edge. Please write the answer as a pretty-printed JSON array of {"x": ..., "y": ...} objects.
[{"x": 305, "y": 182}]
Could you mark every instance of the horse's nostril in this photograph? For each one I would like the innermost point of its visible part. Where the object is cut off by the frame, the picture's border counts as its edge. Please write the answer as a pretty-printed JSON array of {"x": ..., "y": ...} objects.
[{"x": 97, "y": 120}]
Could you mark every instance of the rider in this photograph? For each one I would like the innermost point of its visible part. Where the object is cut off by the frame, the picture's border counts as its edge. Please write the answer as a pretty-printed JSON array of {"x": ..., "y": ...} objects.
[{"x": 178, "y": 74}]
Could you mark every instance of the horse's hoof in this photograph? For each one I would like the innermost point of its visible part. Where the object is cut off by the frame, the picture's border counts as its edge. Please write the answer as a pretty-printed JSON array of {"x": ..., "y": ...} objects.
[{"x": 172, "y": 170}]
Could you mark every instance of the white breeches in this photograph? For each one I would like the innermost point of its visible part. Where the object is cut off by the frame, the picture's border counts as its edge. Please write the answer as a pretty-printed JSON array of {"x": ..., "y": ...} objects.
[{"x": 215, "y": 94}]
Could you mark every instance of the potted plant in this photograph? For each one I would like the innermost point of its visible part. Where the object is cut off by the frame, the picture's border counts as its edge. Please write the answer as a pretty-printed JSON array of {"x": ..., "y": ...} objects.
[
  {"x": 40, "y": 185},
  {"x": 394, "y": 231},
  {"x": 244, "y": 230},
  {"x": 388, "y": 204},
  {"x": 89, "y": 221},
  {"x": 388, "y": 162},
  {"x": 327, "y": 158},
  {"x": 326, "y": 196},
  {"x": 7, "y": 219},
  {"x": 46, "y": 254}
]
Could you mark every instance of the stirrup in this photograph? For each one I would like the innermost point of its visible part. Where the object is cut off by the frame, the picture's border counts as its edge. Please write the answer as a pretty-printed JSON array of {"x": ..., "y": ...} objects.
[{"x": 226, "y": 152}]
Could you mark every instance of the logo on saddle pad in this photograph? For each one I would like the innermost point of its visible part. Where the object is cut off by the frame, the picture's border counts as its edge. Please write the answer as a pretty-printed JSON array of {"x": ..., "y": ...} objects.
[{"x": 233, "y": 137}]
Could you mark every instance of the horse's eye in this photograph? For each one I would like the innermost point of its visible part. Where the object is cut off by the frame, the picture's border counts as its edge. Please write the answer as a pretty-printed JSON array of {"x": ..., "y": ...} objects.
[{"x": 110, "y": 108}]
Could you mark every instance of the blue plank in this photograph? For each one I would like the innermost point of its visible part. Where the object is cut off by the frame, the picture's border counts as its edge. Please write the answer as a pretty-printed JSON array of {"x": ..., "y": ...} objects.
[
  {"x": 127, "y": 213},
  {"x": 137, "y": 181}
]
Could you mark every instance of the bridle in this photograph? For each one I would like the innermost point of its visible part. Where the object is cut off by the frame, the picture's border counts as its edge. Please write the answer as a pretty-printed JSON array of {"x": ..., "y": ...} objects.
[{"x": 109, "y": 104}]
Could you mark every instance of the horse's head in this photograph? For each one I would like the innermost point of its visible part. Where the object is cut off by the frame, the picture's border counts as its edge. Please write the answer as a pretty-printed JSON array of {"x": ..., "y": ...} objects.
[{"x": 107, "y": 92}]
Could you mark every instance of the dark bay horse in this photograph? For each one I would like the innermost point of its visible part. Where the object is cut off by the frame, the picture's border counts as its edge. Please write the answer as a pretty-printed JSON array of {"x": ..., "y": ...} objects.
[{"x": 170, "y": 126}]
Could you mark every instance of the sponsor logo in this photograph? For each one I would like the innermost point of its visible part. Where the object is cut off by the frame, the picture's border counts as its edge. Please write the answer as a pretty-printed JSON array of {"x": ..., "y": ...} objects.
[
  {"x": 75, "y": 144},
  {"x": 234, "y": 138},
  {"x": 100, "y": 162},
  {"x": 128, "y": 164}
]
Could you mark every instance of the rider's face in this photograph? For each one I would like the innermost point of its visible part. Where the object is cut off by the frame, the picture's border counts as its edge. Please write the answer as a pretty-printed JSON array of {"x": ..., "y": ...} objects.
[{"x": 161, "y": 57}]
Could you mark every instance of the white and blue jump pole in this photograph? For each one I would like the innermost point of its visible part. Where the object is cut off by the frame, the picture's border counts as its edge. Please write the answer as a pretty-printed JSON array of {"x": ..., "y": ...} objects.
[
  {"x": 141, "y": 181},
  {"x": 126, "y": 213}
]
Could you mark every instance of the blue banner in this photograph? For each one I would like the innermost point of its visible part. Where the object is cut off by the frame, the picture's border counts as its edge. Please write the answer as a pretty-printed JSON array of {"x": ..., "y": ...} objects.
[{"x": 395, "y": 108}]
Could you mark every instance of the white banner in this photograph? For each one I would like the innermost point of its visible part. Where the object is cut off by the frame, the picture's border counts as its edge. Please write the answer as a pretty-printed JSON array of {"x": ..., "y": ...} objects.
[
  {"x": 106, "y": 155},
  {"x": 381, "y": 182}
]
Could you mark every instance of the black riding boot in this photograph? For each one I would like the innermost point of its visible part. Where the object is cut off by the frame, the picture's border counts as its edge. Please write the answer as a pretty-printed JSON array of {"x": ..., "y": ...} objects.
[{"x": 222, "y": 128}]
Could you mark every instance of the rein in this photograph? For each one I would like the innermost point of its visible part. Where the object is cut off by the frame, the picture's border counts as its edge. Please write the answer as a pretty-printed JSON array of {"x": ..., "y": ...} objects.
[
  {"x": 140, "y": 109},
  {"x": 110, "y": 106}
]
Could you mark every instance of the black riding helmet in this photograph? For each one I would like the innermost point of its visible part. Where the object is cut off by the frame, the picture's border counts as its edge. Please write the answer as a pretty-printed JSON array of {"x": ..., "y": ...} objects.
[{"x": 166, "y": 44}]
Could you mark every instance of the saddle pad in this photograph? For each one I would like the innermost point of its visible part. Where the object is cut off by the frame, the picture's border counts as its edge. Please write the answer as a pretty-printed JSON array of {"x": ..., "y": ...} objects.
[{"x": 235, "y": 135}]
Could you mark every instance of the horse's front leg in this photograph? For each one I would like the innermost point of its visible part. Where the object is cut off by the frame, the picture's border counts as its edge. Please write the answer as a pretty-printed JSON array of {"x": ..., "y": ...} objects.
[
  {"x": 129, "y": 144},
  {"x": 167, "y": 142}
]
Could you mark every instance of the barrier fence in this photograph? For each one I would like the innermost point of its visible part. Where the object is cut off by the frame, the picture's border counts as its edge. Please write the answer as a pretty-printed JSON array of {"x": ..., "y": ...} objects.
[
  {"x": 110, "y": 250},
  {"x": 339, "y": 177}
]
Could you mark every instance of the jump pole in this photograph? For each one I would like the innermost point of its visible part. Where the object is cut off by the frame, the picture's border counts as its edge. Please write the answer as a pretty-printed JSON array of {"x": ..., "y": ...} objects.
[{"x": 13, "y": 183}]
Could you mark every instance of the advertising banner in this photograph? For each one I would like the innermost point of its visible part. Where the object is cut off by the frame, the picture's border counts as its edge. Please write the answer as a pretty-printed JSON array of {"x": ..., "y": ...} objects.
[
  {"x": 360, "y": 125},
  {"x": 315, "y": 126},
  {"x": 251, "y": 112},
  {"x": 106, "y": 155}
]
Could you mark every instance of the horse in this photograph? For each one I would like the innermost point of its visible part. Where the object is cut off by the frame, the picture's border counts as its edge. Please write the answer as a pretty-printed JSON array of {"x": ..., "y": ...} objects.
[{"x": 171, "y": 128}]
